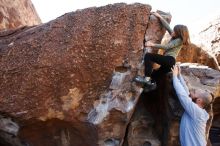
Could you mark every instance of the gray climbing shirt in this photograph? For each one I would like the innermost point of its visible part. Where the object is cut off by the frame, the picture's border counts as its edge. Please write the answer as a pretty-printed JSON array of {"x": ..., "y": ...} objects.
[
  {"x": 194, "y": 119},
  {"x": 172, "y": 48}
]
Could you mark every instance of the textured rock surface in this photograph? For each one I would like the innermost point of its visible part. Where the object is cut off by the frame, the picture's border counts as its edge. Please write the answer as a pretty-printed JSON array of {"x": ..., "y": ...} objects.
[
  {"x": 17, "y": 13},
  {"x": 78, "y": 67},
  {"x": 58, "y": 133},
  {"x": 155, "y": 31},
  {"x": 197, "y": 54}
]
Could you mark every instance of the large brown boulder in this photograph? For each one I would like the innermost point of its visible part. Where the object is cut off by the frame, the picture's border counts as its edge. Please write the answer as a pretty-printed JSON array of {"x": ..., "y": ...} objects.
[
  {"x": 77, "y": 68},
  {"x": 73, "y": 78},
  {"x": 194, "y": 54},
  {"x": 17, "y": 13}
]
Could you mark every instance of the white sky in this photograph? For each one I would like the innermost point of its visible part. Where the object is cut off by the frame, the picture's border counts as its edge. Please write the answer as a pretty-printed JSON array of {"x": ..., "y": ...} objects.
[{"x": 193, "y": 13}]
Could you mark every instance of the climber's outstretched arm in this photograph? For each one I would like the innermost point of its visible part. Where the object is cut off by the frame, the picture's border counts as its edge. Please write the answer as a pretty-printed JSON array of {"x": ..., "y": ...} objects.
[{"x": 164, "y": 22}]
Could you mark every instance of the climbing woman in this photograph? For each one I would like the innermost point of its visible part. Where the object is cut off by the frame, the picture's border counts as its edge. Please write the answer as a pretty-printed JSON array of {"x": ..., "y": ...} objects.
[{"x": 179, "y": 38}]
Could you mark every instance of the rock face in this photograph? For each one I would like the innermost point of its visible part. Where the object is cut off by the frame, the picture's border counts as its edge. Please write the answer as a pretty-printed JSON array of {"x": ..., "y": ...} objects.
[
  {"x": 73, "y": 78},
  {"x": 78, "y": 67},
  {"x": 17, "y": 13},
  {"x": 155, "y": 31},
  {"x": 58, "y": 133},
  {"x": 196, "y": 54}
]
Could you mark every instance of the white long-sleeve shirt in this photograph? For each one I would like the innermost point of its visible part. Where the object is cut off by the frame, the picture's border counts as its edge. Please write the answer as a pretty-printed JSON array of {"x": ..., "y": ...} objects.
[{"x": 194, "y": 119}]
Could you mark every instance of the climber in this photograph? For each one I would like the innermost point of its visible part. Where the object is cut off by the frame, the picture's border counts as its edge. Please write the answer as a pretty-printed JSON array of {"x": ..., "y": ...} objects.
[
  {"x": 194, "y": 118},
  {"x": 180, "y": 37}
]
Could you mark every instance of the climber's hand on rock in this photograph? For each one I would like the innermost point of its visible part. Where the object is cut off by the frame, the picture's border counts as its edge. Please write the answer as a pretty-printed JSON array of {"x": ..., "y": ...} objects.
[
  {"x": 175, "y": 70},
  {"x": 149, "y": 44},
  {"x": 156, "y": 14}
]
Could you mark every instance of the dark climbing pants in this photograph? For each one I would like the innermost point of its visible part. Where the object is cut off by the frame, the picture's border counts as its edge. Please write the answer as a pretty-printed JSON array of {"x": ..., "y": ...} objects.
[{"x": 165, "y": 62}]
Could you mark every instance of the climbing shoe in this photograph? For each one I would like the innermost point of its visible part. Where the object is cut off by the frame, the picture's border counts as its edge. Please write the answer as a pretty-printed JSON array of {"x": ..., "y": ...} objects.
[
  {"x": 142, "y": 80},
  {"x": 146, "y": 82},
  {"x": 150, "y": 87}
]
